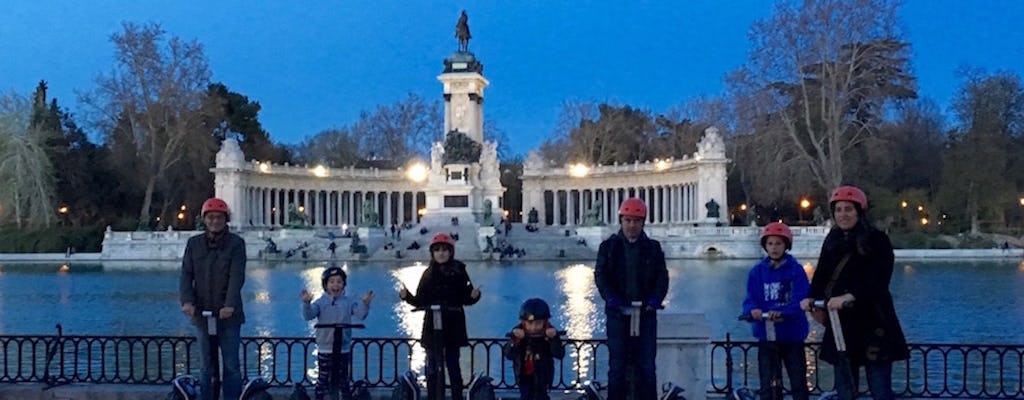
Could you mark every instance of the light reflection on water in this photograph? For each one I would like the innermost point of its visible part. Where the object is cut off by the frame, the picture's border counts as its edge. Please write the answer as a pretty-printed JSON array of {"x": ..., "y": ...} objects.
[
  {"x": 580, "y": 310},
  {"x": 411, "y": 322},
  {"x": 118, "y": 300}
]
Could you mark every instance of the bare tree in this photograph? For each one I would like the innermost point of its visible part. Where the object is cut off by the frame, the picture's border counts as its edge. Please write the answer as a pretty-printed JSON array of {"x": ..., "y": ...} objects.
[
  {"x": 978, "y": 181},
  {"x": 26, "y": 174},
  {"x": 399, "y": 131},
  {"x": 819, "y": 75},
  {"x": 156, "y": 93},
  {"x": 556, "y": 149},
  {"x": 334, "y": 147}
]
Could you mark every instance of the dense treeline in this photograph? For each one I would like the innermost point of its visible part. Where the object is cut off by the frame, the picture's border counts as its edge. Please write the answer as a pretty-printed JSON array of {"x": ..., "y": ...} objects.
[{"x": 827, "y": 96}]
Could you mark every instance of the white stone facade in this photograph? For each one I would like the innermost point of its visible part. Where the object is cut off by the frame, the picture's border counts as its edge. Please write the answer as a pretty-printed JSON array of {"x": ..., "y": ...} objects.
[
  {"x": 675, "y": 190},
  {"x": 260, "y": 194}
]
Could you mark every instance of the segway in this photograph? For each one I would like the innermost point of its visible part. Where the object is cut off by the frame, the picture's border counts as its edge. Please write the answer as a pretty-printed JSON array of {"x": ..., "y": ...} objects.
[
  {"x": 775, "y": 386},
  {"x": 436, "y": 387},
  {"x": 842, "y": 365},
  {"x": 339, "y": 330}
]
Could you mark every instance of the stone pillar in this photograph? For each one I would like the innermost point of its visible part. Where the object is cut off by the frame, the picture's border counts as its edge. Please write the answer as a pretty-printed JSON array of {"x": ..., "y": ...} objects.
[
  {"x": 683, "y": 343},
  {"x": 556, "y": 208}
]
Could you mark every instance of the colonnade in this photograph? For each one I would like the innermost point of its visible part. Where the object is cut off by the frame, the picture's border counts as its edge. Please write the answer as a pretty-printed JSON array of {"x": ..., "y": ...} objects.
[
  {"x": 675, "y": 203},
  {"x": 265, "y": 207}
]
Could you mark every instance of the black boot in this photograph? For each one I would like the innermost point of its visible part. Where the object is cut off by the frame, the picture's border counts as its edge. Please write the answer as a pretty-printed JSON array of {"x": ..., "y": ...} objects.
[{"x": 457, "y": 390}]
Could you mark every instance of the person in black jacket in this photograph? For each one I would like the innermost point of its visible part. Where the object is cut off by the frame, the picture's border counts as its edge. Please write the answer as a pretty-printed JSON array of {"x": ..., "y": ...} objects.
[
  {"x": 212, "y": 275},
  {"x": 533, "y": 347},
  {"x": 864, "y": 259},
  {"x": 445, "y": 282},
  {"x": 631, "y": 268}
]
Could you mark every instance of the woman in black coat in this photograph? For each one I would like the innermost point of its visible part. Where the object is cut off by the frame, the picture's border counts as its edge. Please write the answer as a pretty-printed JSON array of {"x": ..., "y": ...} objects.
[
  {"x": 860, "y": 292},
  {"x": 445, "y": 282}
]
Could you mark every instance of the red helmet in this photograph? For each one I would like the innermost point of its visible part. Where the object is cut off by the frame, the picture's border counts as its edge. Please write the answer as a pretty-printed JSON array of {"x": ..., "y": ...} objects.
[
  {"x": 851, "y": 194},
  {"x": 633, "y": 207},
  {"x": 215, "y": 204},
  {"x": 777, "y": 229},
  {"x": 442, "y": 238}
]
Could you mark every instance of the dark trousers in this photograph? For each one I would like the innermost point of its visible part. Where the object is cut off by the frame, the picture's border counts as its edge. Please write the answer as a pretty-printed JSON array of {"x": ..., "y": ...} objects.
[
  {"x": 228, "y": 339},
  {"x": 531, "y": 390},
  {"x": 332, "y": 375},
  {"x": 879, "y": 377},
  {"x": 451, "y": 362},
  {"x": 771, "y": 357},
  {"x": 627, "y": 353}
]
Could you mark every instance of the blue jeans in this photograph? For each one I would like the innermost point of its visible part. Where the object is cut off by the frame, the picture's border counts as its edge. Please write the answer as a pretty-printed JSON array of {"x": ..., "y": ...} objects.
[
  {"x": 879, "y": 377},
  {"x": 631, "y": 353},
  {"x": 771, "y": 357},
  {"x": 451, "y": 362},
  {"x": 229, "y": 340}
]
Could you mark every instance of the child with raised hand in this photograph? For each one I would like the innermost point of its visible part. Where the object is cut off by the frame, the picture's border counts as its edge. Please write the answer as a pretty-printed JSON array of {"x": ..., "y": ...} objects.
[
  {"x": 333, "y": 307},
  {"x": 533, "y": 347}
]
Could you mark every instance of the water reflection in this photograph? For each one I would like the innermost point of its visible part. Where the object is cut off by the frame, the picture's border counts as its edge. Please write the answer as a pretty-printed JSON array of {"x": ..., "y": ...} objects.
[
  {"x": 580, "y": 310},
  {"x": 409, "y": 322}
]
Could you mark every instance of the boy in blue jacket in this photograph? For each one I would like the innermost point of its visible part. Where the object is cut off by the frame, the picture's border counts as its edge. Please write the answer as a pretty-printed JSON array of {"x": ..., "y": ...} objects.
[
  {"x": 333, "y": 308},
  {"x": 775, "y": 287}
]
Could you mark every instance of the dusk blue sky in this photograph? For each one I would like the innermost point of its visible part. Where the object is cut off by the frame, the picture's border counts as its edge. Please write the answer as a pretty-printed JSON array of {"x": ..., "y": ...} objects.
[{"x": 314, "y": 65}]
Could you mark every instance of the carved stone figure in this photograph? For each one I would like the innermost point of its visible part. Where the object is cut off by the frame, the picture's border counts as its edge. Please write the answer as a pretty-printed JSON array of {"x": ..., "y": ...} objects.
[
  {"x": 296, "y": 219},
  {"x": 369, "y": 215},
  {"x": 532, "y": 216},
  {"x": 488, "y": 216},
  {"x": 462, "y": 31},
  {"x": 712, "y": 207},
  {"x": 593, "y": 216}
]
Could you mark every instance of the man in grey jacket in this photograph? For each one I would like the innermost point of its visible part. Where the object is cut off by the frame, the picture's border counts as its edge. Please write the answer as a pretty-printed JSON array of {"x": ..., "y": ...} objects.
[{"x": 212, "y": 275}]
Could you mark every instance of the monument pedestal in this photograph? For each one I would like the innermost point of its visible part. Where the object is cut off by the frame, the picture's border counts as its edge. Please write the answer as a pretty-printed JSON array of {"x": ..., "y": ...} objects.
[
  {"x": 372, "y": 237},
  {"x": 709, "y": 221},
  {"x": 594, "y": 235},
  {"x": 483, "y": 233},
  {"x": 683, "y": 341}
]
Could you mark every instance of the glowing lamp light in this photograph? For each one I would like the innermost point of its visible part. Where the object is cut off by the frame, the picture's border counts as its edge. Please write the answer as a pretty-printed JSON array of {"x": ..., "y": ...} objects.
[
  {"x": 302, "y": 208},
  {"x": 421, "y": 211},
  {"x": 743, "y": 207},
  {"x": 320, "y": 171},
  {"x": 181, "y": 216},
  {"x": 265, "y": 167},
  {"x": 920, "y": 208},
  {"x": 183, "y": 207},
  {"x": 63, "y": 209},
  {"x": 417, "y": 173},
  {"x": 578, "y": 170},
  {"x": 903, "y": 204},
  {"x": 804, "y": 203},
  {"x": 924, "y": 221},
  {"x": 661, "y": 165}
]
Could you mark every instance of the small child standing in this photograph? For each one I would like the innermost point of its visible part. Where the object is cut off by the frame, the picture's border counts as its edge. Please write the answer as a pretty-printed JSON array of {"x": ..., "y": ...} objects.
[
  {"x": 533, "y": 348},
  {"x": 775, "y": 287},
  {"x": 333, "y": 353}
]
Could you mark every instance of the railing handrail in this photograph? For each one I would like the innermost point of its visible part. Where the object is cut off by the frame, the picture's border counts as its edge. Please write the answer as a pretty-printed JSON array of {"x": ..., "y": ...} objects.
[{"x": 935, "y": 370}]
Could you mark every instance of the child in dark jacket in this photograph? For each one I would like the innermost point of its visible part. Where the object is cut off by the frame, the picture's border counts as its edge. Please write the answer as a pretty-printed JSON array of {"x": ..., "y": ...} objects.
[
  {"x": 775, "y": 287},
  {"x": 533, "y": 347}
]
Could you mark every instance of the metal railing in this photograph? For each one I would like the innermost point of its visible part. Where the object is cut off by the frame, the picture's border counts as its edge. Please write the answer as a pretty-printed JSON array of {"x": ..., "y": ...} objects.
[
  {"x": 933, "y": 370},
  {"x": 59, "y": 359}
]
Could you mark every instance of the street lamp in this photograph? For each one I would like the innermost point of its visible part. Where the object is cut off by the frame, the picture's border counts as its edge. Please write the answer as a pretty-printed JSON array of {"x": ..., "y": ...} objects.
[
  {"x": 63, "y": 210},
  {"x": 804, "y": 205},
  {"x": 417, "y": 172}
]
